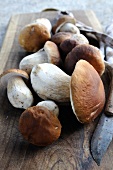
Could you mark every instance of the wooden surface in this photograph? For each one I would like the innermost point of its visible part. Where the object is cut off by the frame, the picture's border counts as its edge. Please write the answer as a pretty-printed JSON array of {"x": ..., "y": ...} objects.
[{"x": 71, "y": 151}]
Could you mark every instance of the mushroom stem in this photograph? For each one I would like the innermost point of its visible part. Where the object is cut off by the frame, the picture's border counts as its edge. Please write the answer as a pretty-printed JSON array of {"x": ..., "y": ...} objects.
[
  {"x": 50, "y": 105},
  {"x": 29, "y": 61},
  {"x": 18, "y": 93}
]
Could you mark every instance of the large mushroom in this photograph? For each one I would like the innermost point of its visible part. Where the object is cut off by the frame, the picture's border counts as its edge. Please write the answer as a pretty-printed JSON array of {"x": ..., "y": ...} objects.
[
  {"x": 48, "y": 54},
  {"x": 33, "y": 36},
  {"x": 87, "y": 92},
  {"x": 39, "y": 126},
  {"x": 18, "y": 93}
]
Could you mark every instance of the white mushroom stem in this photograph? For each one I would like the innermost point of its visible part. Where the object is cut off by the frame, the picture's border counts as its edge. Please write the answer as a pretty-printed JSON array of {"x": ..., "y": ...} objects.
[
  {"x": 50, "y": 82},
  {"x": 29, "y": 61},
  {"x": 18, "y": 93},
  {"x": 50, "y": 105}
]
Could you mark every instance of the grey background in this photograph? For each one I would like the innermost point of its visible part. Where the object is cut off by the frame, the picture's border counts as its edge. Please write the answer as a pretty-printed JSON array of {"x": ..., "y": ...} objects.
[{"x": 102, "y": 8}]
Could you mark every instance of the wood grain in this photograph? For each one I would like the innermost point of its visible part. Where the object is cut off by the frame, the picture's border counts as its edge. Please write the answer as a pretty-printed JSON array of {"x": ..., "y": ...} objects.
[{"x": 72, "y": 150}]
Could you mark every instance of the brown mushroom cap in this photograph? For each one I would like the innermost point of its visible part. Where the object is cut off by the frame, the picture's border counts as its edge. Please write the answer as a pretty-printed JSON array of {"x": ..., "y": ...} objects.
[
  {"x": 87, "y": 92},
  {"x": 52, "y": 52},
  {"x": 60, "y": 37},
  {"x": 63, "y": 19},
  {"x": 6, "y": 75},
  {"x": 86, "y": 52},
  {"x": 39, "y": 126},
  {"x": 76, "y": 39},
  {"x": 33, "y": 36},
  {"x": 67, "y": 45}
]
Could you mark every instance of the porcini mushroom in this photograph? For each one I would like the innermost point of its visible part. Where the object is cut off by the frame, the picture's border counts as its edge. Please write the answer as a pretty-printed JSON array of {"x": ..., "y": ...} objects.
[
  {"x": 61, "y": 21},
  {"x": 87, "y": 93},
  {"x": 39, "y": 126},
  {"x": 18, "y": 93},
  {"x": 48, "y": 54},
  {"x": 50, "y": 82},
  {"x": 33, "y": 36},
  {"x": 50, "y": 105},
  {"x": 86, "y": 52}
]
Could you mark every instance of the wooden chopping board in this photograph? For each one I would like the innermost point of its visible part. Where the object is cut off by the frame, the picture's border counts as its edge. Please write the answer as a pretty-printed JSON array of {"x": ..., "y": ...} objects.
[{"x": 71, "y": 151}]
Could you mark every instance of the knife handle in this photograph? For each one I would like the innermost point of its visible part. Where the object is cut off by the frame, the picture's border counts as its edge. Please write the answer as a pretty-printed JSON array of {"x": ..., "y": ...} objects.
[{"x": 109, "y": 104}]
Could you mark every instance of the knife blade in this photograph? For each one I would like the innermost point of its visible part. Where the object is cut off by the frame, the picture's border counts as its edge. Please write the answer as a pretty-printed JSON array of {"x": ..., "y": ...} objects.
[{"x": 101, "y": 138}]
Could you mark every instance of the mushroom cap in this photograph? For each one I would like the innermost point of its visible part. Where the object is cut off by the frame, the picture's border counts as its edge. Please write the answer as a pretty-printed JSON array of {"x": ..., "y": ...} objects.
[
  {"x": 87, "y": 93},
  {"x": 60, "y": 37},
  {"x": 33, "y": 36},
  {"x": 76, "y": 39},
  {"x": 67, "y": 45},
  {"x": 63, "y": 19},
  {"x": 6, "y": 75},
  {"x": 52, "y": 52},
  {"x": 86, "y": 52},
  {"x": 39, "y": 126}
]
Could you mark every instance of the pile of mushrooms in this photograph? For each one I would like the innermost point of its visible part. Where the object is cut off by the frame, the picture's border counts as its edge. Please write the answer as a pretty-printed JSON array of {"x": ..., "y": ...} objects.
[{"x": 62, "y": 68}]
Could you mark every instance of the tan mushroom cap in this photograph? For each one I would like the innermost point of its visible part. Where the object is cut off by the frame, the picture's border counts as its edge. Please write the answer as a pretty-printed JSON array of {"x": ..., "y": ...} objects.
[
  {"x": 39, "y": 126},
  {"x": 33, "y": 36},
  {"x": 63, "y": 19},
  {"x": 52, "y": 52},
  {"x": 87, "y": 92},
  {"x": 60, "y": 37},
  {"x": 87, "y": 52},
  {"x": 6, "y": 75}
]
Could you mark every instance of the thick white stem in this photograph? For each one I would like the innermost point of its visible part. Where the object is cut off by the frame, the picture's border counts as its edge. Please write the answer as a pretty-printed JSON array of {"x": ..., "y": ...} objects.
[{"x": 18, "y": 93}]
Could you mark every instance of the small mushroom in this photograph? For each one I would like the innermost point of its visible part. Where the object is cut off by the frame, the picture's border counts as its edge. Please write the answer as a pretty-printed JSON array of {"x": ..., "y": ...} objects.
[
  {"x": 86, "y": 52},
  {"x": 49, "y": 54},
  {"x": 50, "y": 105},
  {"x": 39, "y": 126},
  {"x": 61, "y": 21},
  {"x": 87, "y": 93},
  {"x": 18, "y": 93},
  {"x": 50, "y": 82},
  {"x": 76, "y": 39},
  {"x": 33, "y": 36}
]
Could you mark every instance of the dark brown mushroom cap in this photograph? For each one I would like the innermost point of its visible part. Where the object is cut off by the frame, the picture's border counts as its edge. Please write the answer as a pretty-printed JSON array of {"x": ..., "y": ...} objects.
[
  {"x": 87, "y": 92},
  {"x": 39, "y": 126},
  {"x": 60, "y": 37},
  {"x": 33, "y": 36},
  {"x": 67, "y": 45},
  {"x": 53, "y": 53},
  {"x": 76, "y": 39},
  {"x": 63, "y": 19},
  {"x": 86, "y": 52}
]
